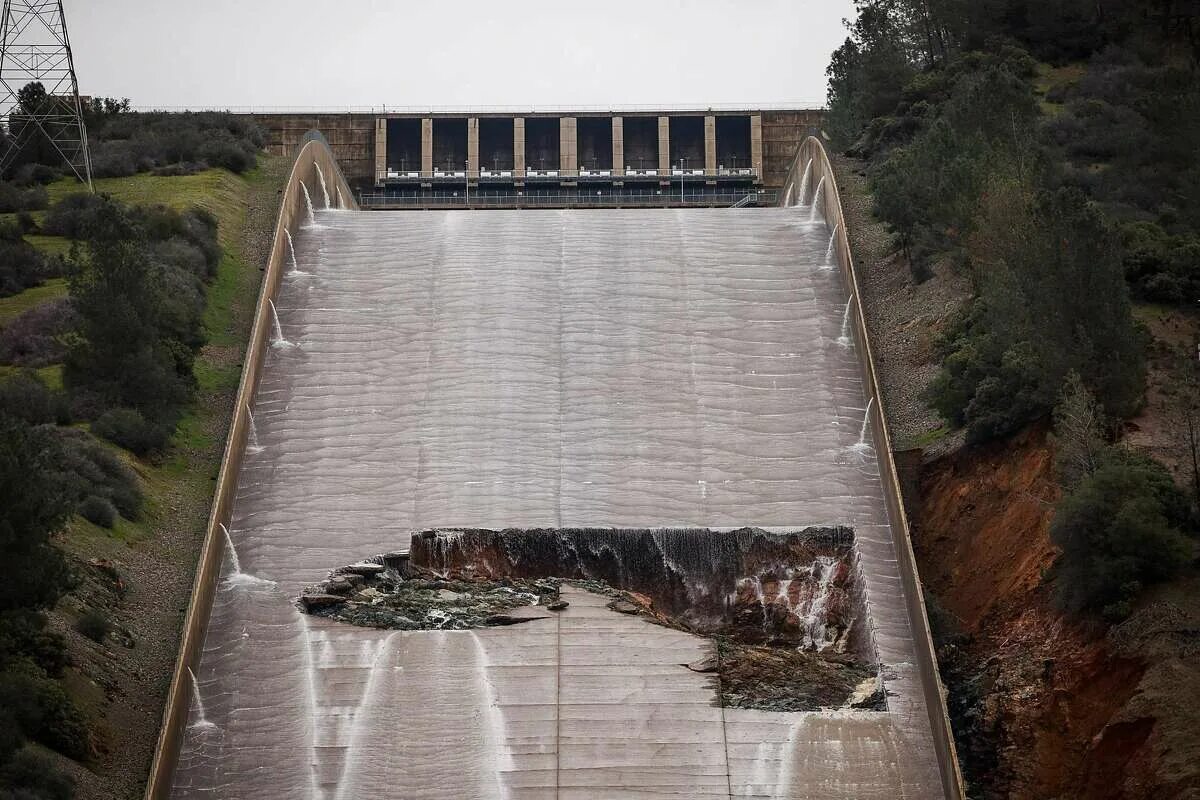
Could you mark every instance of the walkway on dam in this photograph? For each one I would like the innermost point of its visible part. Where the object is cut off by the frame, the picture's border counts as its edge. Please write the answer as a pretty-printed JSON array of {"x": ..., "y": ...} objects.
[{"x": 637, "y": 368}]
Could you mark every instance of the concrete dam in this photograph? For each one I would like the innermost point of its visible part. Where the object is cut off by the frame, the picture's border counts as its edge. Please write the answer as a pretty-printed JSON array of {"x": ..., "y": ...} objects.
[{"x": 666, "y": 418}]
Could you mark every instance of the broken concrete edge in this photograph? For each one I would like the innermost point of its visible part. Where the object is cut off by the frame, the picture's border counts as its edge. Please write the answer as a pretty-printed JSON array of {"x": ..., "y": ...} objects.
[
  {"x": 773, "y": 674},
  {"x": 292, "y": 210},
  {"x": 812, "y": 148}
]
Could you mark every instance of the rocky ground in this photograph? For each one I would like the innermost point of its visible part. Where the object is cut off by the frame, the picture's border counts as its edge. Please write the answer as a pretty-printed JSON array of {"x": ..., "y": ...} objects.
[{"x": 904, "y": 317}]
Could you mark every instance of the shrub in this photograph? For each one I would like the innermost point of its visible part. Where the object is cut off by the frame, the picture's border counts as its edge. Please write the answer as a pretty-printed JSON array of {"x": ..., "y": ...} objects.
[
  {"x": 94, "y": 624},
  {"x": 73, "y": 215},
  {"x": 129, "y": 429},
  {"x": 92, "y": 469},
  {"x": 23, "y": 635},
  {"x": 1121, "y": 529},
  {"x": 37, "y": 338},
  {"x": 21, "y": 266},
  {"x": 35, "y": 776},
  {"x": 43, "y": 710},
  {"x": 15, "y": 198},
  {"x": 154, "y": 140},
  {"x": 98, "y": 511},
  {"x": 25, "y": 397}
]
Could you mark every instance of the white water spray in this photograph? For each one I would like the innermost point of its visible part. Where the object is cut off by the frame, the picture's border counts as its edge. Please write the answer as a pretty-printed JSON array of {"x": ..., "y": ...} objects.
[
  {"x": 253, "y": 447},
  {"x": 340, "y": 204},
  {"x": 292, "y": 250},
  {"x": 277, "y": 339},
  {"x": 804, "y": 180},
  {"x": 201, "y": 719},
  {"x": 816, "y": 201},
  {"x": 832, "y": 239},
  {"x": 862, "y": 433},
  {"x": 824, "y": 570},
  {"x": 312, "y": 218},
  {"x": 321, "y": 178},
  {"x": 233, "y": 556},
  {"x": 844, "y": 339}
]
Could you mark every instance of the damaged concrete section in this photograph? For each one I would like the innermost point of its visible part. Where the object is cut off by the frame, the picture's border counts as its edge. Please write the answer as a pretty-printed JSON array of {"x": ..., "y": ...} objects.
[{"x": 786, "y": 624}]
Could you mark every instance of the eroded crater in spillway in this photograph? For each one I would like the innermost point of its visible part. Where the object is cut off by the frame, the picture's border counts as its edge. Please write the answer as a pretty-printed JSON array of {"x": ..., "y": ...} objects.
[{"x": 782, "y": 611}]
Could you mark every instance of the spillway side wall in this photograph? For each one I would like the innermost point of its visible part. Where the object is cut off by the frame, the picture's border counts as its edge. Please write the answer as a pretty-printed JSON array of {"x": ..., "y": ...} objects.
[
  {"x": 935, "y": 697},
  {"x": 293, "y": 213}
]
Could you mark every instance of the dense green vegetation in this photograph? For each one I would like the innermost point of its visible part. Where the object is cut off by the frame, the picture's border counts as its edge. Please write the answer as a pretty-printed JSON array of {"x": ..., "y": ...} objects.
[
  {"x": 105, "y": 302},
  {"x": 1049, "y": 151}
]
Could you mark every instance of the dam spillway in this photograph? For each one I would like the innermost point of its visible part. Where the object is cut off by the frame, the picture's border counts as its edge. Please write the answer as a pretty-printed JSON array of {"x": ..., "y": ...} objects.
[{"x": 543, "y": 369}]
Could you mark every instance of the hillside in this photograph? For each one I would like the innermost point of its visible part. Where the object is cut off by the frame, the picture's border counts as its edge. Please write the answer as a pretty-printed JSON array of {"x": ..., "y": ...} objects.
[
  {"x": 134, "y": 578},
  {"x": 1043, "y": 704}
]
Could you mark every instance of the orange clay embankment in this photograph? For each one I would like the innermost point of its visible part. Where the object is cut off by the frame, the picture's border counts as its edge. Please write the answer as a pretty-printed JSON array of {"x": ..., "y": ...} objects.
[{"x": 1038, "y": 701}]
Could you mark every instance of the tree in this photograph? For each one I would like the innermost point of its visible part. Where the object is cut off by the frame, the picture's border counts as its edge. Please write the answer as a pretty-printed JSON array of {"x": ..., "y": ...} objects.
[
  {"x": 1121, "y": 529},
  {"x": 1079, "y": 429},
  {"x": 37, "y": 502},
  {"x": 25, "y": 130},
  {"x": 130, "y": 350}
]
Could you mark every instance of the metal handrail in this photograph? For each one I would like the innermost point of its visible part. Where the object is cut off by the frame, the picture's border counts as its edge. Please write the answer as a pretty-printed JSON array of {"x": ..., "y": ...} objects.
[
  {"x": 567, "y": 200},
  {"x": 697, "y": 108}
]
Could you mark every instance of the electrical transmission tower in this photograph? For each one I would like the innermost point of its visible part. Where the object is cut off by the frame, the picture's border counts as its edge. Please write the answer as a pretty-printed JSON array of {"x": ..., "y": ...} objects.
[{"x": 34, "y": 49}]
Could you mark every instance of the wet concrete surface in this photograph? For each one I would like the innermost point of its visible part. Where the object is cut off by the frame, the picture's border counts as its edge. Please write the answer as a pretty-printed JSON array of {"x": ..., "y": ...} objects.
[{"x": 645, "y": 368}]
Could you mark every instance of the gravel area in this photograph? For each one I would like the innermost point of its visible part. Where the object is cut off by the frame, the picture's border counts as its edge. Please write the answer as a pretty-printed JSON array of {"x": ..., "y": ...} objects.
[
  {"x": 904, "y": 317},
  {"x": 123, "y": 681}
]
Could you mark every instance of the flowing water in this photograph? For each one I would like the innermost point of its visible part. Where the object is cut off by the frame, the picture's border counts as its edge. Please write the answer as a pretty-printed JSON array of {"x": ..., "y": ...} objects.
[
  {"x": 295, "y": 270},
  {"x": 844, "y": 339},
  {"x": 324, "y": 190},
  {"x": 277, "y": 339},
  {"x": 308, "y": 205},
  {"x": 804, "y": 180},
  {"x": 829, "y": 247},
  {"x": 643, "y": 368},
  {"x": 818, "y": 202}
]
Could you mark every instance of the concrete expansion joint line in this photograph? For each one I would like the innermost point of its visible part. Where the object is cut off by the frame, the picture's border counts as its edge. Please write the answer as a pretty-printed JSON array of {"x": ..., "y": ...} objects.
[{"x": 557, "y": 702}]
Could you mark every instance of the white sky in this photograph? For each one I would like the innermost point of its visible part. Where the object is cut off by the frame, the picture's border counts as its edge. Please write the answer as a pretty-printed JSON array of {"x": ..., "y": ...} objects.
[{"x": 455, "y": 53}]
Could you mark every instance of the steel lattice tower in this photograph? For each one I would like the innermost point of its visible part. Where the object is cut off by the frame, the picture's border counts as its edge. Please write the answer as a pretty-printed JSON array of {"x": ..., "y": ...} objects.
[{"x": 34, "y": 48}]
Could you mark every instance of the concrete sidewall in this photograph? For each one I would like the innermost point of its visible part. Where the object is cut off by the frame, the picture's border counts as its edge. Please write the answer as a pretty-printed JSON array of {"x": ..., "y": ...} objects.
[
  {"x": 292, "y": 214},
  {"x": 811, "y": 149}
]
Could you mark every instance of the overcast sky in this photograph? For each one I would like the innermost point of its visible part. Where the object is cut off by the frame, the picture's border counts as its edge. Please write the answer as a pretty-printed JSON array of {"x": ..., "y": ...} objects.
[{"x": 446, "y": 53}]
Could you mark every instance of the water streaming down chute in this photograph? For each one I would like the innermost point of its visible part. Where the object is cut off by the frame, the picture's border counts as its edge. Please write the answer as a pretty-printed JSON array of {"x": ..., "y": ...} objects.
[
  {"x": 844, "y": 339},
  {"x": 862, "y": 434},
  {"x": 292, "y": 250},
  {"x": 321, "y": 178},
  {"x": 832, "y": 239},
  {"x": 312, "y": 217},
  {"x": 252, "y": 446},
  {"x": 804, "y": 180},
  {"x": 233, "y": 556},
  {"x": 824, "y": 569},
  {"x": 817, "y": 201},
  {"x": 277, "y": 339},
  {"x": 201, "y": 720}
]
